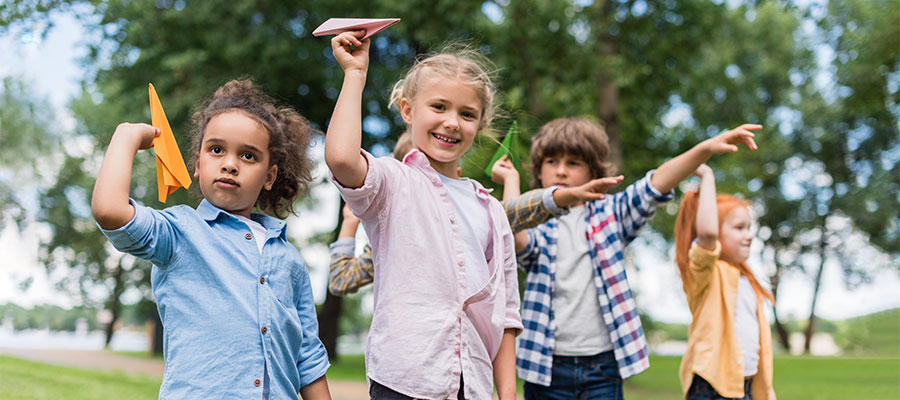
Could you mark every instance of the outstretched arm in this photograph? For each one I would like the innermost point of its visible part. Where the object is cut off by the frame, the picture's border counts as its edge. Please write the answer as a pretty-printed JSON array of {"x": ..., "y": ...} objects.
[
  {"x": 672, "y": 172},
  {"x": 344, "y": 136},
  {"x": 707, "y": 213},
  {"x": 109, "y": 202}
]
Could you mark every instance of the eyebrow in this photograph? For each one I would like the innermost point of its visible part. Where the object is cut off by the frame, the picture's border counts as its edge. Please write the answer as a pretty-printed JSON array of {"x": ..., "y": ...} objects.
[{"x": 243, "y": 146}]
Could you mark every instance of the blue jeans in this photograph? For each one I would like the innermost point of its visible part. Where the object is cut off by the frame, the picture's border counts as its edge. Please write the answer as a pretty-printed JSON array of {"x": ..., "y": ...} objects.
[
  {"x": 702, "y": 390},
  {"x": 588, "y": 377},
  {"x": 378, "y": 391}
]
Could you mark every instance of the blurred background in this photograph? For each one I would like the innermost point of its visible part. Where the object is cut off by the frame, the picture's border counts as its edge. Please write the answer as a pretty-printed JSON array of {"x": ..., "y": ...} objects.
[{"x": 823, "y": 77}]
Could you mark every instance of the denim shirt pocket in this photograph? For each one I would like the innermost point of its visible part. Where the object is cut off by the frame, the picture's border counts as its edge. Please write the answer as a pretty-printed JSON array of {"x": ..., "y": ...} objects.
[{"x": 282, "y": 275}]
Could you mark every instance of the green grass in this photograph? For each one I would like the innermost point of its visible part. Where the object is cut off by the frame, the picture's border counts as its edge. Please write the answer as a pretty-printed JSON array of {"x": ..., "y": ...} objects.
[
  {"x": 20, "y": 379},
  {"x": 808, "y": 378}
]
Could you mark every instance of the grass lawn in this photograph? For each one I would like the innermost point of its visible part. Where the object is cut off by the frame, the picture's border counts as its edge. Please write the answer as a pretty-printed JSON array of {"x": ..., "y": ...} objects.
[
  {"x": 21, "y": 379},
  {"x": 812, "y": 378},
  {"x": 808, "y": 378}
]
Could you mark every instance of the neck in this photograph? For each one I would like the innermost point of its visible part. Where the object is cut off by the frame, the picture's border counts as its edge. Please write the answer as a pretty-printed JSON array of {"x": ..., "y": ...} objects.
[{"x": 446, "y": 168}]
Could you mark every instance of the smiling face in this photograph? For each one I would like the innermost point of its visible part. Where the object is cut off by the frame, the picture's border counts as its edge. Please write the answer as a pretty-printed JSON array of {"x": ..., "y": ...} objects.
[
  {"x": 735, "y": 235},
  {"x": 233, "y": 162},
  {"x": 444, "y": 118},
  {"x": 564, "y": 170}
]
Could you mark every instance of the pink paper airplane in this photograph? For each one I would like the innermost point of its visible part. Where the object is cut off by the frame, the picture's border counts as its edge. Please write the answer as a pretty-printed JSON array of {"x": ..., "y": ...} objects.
[{"x": 336, "y": 26}]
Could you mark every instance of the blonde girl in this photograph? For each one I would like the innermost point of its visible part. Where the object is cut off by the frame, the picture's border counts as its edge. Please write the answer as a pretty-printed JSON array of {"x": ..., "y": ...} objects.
[
  {"x": 446, "y": 294},
  {"x": 729, "y": 353}
]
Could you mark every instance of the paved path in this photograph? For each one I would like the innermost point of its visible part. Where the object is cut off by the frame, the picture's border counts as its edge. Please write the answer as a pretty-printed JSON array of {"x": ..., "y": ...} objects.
[{"x": 105, "y": 360}]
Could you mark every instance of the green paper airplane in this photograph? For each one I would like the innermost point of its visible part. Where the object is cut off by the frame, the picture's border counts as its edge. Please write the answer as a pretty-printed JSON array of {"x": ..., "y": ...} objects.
[{"x": 508, "y": 148}]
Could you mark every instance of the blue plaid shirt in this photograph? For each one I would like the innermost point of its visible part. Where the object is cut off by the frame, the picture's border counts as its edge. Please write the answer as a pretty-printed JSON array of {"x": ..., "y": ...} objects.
[{"x": 612, "y": 223}]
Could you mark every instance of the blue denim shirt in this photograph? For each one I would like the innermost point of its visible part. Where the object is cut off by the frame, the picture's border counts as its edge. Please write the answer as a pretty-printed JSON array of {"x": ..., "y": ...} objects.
[{"x": 230, "y": 314}]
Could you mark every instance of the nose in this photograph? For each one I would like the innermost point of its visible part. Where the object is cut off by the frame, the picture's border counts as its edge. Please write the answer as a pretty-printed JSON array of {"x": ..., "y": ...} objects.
[
  {"x": 561, "y": 169},
  {"x": 229, "y": 166},
  {"x": 451, "y": 123}
]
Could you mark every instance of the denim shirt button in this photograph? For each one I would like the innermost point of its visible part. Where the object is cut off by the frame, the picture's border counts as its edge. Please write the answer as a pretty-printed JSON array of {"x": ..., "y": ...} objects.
[
  {"x": 262, "y": 280},
  {"x": 256, "y": 382},
  {"x": 264, "y": 330},
  {"x": 248, "y": 236}
]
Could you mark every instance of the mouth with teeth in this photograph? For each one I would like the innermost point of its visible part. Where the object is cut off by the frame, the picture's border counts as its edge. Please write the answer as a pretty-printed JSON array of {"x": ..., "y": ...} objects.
[{"x": 447, "y": 140}]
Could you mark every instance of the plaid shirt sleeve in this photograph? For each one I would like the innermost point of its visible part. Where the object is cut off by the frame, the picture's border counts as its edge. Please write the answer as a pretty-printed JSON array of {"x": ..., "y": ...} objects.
[
  {"x": 636, "y": 204},
  {"x": 348, "y": 273},
  {"x": 532, "y": 209}
]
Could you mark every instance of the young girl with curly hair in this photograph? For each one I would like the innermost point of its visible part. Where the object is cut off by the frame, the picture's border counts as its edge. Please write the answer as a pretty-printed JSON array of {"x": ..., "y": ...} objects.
[{"x": 233, "y": 294}]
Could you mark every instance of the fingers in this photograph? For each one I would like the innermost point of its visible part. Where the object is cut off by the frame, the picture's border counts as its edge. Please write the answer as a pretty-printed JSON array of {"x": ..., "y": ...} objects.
[{"x": 349, "y": 38}]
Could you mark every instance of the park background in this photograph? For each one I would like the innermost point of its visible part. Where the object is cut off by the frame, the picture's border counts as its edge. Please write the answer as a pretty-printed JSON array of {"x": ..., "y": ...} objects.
[{"x": 823, "y": 77}]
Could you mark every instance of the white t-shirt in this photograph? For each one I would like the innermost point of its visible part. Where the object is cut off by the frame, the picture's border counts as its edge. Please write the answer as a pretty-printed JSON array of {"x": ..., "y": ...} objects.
[
  {"x": 580, "y": 330},
  {"x": 747, "y": 325},
  {"x": 474, "y": 230},
  {"x": 259, "y": 231}
]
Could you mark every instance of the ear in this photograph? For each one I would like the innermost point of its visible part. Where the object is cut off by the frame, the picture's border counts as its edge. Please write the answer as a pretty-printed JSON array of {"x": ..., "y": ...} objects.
[
  {"x": 197, "y": 166},
  {"x": 271, "y": 174},
  {"x": 406, "y": 110}
]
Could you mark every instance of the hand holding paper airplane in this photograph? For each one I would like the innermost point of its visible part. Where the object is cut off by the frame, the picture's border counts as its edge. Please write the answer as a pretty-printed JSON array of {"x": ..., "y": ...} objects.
[
  {"x": 171, "y": 173},
  {"x": 507, "y": 148},
  {"x": 372, "y": 26}
]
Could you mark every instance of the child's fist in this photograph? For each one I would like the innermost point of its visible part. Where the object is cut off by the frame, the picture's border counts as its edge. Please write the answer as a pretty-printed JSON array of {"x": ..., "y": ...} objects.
[
  {"x": 727, "y": 142},
  {"x": 350, "y": 52},
  {"x": 703, "y": 170},
  {"x": 142, "y": 133},
  {"x": 503, "y": 170},
  {"x": 349, "y": 217}
]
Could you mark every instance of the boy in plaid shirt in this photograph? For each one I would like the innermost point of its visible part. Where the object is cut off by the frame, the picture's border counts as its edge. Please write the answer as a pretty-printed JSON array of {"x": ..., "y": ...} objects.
[{"x": 582, "y": 333}]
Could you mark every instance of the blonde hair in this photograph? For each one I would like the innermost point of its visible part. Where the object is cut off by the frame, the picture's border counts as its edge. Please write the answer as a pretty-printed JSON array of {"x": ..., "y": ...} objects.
[
  {"x": 577, "y": 137},
  {"x": 404, "y": 145},
  {"x": 454, "y": 62},
  {"x": 686, "y": 232}
]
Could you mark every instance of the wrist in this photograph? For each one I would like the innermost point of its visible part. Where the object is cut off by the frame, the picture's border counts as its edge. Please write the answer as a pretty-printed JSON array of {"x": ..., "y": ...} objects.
[{"x": 355, "y": 74}]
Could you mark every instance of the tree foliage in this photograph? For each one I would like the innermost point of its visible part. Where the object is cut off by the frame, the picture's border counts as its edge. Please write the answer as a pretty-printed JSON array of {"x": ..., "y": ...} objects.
[{"x": 662, "y": 75}]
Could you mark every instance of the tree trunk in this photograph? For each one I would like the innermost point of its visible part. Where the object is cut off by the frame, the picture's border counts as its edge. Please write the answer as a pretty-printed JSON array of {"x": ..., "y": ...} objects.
[
  {"x": 811, "y": 325},
  {"x": 781, "y": 331},
  {"x": 156, "y": 347},
  {"x": 607, "y": 91},
  {"x": 329, "y": 314},
  {"x": 113, "y": 304}
]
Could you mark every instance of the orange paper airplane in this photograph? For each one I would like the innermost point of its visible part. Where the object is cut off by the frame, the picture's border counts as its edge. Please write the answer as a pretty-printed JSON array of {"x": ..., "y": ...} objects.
[
  {"x": 336, "y": 26},
  {"x": 171, "y": 173}
]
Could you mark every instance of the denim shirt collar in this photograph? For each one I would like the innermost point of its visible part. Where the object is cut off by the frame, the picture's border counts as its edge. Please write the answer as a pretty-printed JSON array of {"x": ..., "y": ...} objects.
[
  {"x": 210, "y": 213},
  {"x": 418, "y": 160}
]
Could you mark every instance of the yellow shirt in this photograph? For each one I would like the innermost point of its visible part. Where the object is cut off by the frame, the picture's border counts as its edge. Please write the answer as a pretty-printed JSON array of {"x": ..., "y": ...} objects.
[{"x": 713, "y": 351}]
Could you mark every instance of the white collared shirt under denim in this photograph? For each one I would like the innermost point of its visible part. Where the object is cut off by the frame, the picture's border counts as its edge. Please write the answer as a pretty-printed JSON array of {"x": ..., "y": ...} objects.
[
  {"x": 230, "y": 312},
  {"x": 426, "y": 330}
]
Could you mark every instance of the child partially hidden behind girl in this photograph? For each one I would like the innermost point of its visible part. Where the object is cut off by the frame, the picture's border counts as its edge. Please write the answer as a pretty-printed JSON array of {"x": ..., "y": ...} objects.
[
  {"x": 729, "y": 353},
  {"x": 232, "y": 292}
]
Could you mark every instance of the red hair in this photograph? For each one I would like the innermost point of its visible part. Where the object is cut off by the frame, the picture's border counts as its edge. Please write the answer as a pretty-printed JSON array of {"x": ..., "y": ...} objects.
[{"x": 686, "y": 232}]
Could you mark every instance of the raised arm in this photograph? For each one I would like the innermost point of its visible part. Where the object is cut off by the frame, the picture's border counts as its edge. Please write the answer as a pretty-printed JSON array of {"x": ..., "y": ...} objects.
[
  {"x": 344, "y": 136},
  {"x": 504, "y": 173},
  {"x": 109, "y": 202},
  {"x": 672, "y": 172},
  {"x": 707, "y": 213}
]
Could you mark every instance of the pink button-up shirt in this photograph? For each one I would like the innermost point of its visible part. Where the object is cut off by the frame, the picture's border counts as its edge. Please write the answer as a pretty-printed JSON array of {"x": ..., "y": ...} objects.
[{"x": 425, "y": 330}]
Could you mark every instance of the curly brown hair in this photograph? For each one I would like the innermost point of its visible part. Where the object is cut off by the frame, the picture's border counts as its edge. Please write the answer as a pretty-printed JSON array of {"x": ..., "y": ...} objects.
[
  {"x": 289, "y": 138},
  {"x": 576, "y": 137}
]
